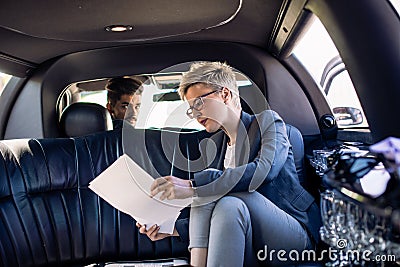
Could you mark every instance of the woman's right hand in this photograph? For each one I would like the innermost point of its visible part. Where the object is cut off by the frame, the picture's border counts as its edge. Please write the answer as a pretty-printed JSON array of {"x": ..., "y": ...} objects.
[{"x": 153, "y": 233}]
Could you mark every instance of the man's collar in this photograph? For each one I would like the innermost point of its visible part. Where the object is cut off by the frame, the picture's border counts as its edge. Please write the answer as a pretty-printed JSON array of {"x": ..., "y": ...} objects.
[{"x": 246, "y": 119}]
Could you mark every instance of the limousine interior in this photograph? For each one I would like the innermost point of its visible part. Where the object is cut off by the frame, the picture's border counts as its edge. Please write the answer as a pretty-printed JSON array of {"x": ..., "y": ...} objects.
[{"x": 330, "y": 69}]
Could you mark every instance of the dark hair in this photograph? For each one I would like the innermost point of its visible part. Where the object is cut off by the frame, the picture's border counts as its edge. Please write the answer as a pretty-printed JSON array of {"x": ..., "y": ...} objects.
[{"x": 116, "y": 87}]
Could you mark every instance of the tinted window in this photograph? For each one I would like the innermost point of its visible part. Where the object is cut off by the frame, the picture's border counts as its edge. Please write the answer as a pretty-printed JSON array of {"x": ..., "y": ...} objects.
[
  {"x": 320, "y": 57},
  {"x": 161, "y": 106},
  {"x": 4, "y": 78}
]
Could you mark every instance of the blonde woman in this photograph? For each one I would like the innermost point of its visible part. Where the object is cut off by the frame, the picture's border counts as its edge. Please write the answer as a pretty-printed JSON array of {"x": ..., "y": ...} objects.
[{"x": 254, "y": 200}]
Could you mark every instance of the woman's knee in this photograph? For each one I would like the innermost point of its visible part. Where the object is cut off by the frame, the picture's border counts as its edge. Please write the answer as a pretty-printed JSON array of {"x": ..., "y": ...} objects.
[{"x": 230, "y": 208}]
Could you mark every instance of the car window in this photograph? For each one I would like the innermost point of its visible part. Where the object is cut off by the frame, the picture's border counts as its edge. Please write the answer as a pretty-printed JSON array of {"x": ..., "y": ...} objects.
[
  {"x": 161, "y": 107},
  {"x": 4, "y": 79},
  {"x": 99, "y": 97},
  {"x": 396, "y": 5},
  {"x": 319, "y": 56}
]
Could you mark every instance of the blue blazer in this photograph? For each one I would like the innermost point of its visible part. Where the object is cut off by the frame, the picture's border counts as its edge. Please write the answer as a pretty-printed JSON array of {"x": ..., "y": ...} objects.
[{"x": 265, "y": 163}]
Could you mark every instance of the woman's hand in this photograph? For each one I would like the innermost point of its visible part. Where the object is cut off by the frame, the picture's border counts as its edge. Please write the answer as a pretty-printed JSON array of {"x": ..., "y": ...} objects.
[
  {"x": 153, "y": 233},
  {"x": 172, "y": 188}
]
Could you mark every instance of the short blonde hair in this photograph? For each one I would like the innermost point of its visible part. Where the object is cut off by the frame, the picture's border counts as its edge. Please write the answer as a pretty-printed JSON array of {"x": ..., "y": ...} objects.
[{"x": 214, "y": 74}]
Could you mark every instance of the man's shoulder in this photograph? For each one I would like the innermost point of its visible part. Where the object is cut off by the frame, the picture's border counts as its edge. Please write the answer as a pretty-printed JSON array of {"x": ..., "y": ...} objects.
[{"x": 118, "y": 124}]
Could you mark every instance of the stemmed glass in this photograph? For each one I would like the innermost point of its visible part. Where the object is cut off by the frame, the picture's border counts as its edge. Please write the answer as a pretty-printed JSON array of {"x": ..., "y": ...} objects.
[
  {"x": 328, "y": 230},
  {"x": 320, "y": 160},
  {"x": 344, "y": 242},
  {"x": 356, "y": 233}
]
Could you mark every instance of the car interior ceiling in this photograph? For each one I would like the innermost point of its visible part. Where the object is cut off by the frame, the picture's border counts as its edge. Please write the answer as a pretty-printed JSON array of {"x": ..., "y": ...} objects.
[
  {"x": 204, "y": 20},
  {"x": 328, "y": 12},
  {"x": 161, "y": 61},
  {"x": 352, "y": 59}
]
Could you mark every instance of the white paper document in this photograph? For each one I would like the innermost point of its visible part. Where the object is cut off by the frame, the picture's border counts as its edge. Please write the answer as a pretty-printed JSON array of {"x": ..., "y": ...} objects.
[{"x": 126, "y": 186}]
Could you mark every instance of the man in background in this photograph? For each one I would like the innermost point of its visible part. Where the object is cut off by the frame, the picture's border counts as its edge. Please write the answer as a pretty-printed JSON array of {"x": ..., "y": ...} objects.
[{"x": 123, "y": 100}]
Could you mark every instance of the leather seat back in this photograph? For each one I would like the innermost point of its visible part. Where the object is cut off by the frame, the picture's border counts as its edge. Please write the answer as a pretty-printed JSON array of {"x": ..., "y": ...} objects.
[
  {"x": 49, "y": 217},
  {"x": 80, "y": 119}
]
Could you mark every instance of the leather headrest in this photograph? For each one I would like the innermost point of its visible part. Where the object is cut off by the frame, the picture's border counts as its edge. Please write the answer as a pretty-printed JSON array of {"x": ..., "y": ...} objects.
[{"x": 80, "y": 119}]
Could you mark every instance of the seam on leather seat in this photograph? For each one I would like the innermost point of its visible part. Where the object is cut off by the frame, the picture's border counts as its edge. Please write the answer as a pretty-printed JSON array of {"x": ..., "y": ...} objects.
[
  {"x": 79, "y": 195},
  {"x": 98, "y": 206},
  {"x": 42, "y": 238},
  {"x": 90, "y": 157},
  {"x": 45, "y": 161},
  {"x": 68, "y": 225}
]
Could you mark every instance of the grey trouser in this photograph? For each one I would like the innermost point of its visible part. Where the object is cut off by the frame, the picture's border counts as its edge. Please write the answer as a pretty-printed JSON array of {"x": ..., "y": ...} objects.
[{"x": 242, "y": 229}]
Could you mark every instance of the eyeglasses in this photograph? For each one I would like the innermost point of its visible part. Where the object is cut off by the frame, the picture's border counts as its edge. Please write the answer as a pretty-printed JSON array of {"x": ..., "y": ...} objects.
[{"x": 198, "y": 103}]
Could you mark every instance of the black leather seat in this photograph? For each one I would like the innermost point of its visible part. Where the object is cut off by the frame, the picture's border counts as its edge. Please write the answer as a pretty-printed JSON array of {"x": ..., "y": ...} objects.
[
  {"x": 49, "y": 217},
  {"x": 80, "y": 119}
]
